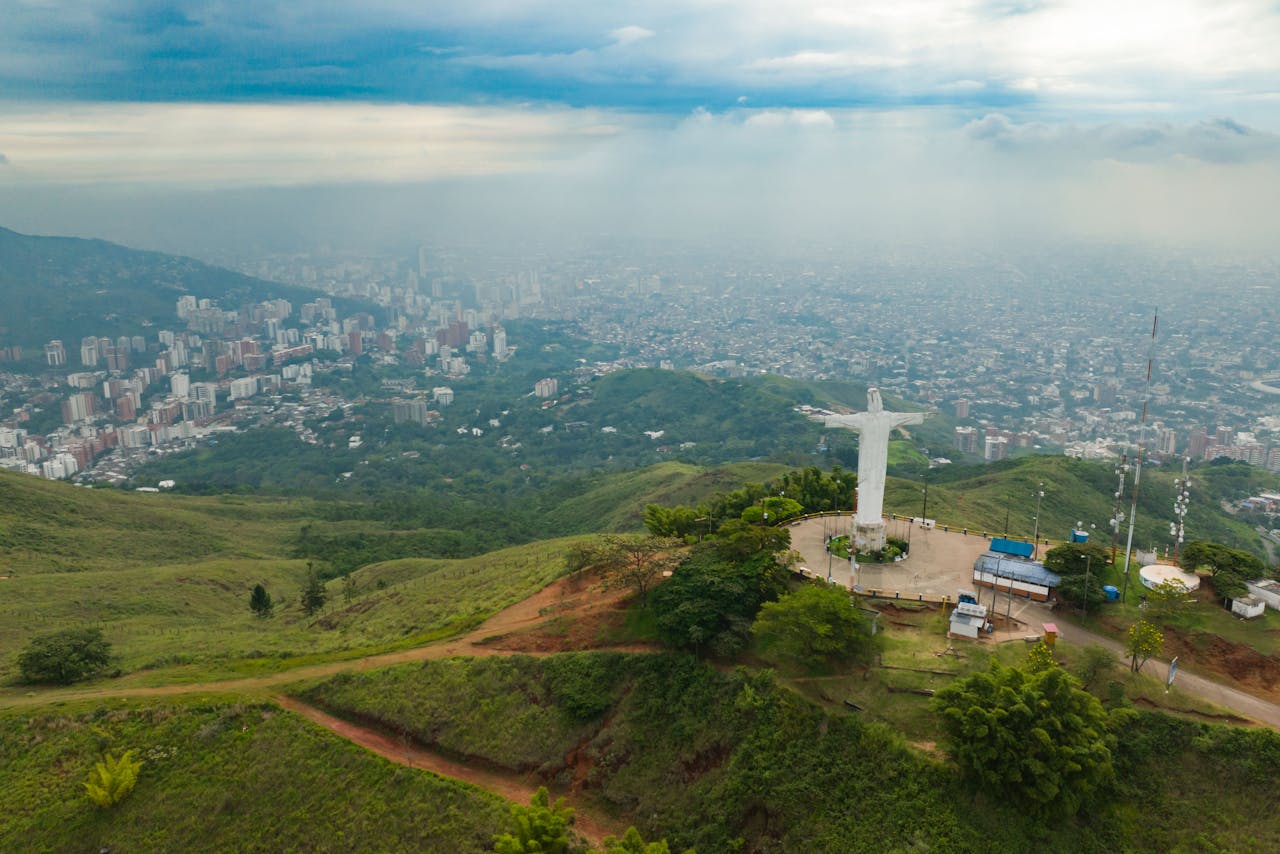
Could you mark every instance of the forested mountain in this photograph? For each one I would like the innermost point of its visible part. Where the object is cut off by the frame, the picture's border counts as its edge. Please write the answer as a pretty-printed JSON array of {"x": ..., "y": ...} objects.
[{"x": 66, "y": 287}]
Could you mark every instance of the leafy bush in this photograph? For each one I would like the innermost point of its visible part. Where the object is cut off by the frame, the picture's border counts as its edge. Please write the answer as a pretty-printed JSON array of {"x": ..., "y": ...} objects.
[
  {"x": 64, "y": 657},
  {"x": 1035, "y": 737},
  {"x": 540, "y": 828},
  {"x": 111, "y": 780}
]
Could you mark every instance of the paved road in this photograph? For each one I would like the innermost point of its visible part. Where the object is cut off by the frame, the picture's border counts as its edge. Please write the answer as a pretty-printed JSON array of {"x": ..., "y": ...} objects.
[{"x": 1245, "y": 705}]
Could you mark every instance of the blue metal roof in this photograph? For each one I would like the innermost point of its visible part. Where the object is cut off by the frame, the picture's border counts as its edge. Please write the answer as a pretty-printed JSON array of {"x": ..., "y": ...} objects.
[
  {"x": 1010, "y": 547},
  {"x": 1028, "y": 571}
]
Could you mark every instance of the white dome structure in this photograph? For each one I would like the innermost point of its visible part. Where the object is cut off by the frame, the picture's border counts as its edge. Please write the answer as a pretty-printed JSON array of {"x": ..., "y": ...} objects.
[{"x": 1158, "y": 573}]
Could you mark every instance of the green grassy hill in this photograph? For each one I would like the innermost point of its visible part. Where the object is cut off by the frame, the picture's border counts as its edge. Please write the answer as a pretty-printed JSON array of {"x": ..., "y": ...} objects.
[
  {"x": 616, "y": 501},
  {"x": 51, "y": 526},
  {"x": 221, "y": 775},
  {"x": 730, "y": 761},
  {"x": 979, "y": 497},
  {"x": 191, "y": 622}
]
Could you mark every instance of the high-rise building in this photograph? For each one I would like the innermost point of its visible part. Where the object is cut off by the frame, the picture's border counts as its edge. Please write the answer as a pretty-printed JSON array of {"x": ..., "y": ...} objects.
[
  {"x": 967, "y": 439},
  {"x": 89, "y": 352},
  {"x": 55, "y": 355},
  {"x": 962, "y": 408},
  {"x": 499, "y": 343},
  {"x": 546, "y": 387},
  {"x": 995, "y": 448}
]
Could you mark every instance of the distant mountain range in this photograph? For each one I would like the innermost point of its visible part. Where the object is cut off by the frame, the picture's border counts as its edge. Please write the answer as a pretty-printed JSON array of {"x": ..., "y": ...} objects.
[{"x": 68, "y": 288}]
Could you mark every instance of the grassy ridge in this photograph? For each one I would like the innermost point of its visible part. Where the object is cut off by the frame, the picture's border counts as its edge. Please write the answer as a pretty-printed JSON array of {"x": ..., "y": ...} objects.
[
  {"x": 48, "y": 526},
  {"x": 978, "y": 497},
  {"x": 616, "y": 501},
  {"x": 189, "y": 622},
  {"x": 721, "y": 760},
  {"x": 225, "y": 777}
]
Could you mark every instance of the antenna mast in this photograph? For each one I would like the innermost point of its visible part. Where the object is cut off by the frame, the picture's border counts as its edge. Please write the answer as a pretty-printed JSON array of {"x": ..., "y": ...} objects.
[
  {"x": 1117, "y": 516},
  {"x": 1181, "y": 499},
  {"x": 1137, "y": 469}
]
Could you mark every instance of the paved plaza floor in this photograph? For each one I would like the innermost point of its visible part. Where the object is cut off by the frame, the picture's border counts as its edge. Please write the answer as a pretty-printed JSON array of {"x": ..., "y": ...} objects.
[{"x": 940, "y": 562}]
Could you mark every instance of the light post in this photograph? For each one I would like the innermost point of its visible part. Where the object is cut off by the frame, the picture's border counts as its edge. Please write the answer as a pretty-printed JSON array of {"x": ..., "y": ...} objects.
[
  {"x": 1084, "y": 598},
  {"x": 1035, "y": 538}
]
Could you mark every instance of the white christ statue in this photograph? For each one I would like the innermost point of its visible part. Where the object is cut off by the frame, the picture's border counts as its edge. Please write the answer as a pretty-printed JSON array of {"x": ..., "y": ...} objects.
[{"x": 873, "y": 427}]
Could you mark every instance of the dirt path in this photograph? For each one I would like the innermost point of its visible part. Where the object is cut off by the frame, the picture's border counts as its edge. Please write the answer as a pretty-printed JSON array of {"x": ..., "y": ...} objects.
[
  {"x": 566, "y": 595},
  {"x": 589, "y": 823}
]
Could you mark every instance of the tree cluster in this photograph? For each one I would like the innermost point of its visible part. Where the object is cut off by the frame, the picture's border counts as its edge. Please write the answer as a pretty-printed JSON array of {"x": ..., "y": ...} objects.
[
  {"x": 1229, "y": 568},
  {"x": 713, "y": 596},
  {"x": 808, "y": 490},
  {"x": 814, "y": 627},
  {"x": 1034, "y": 737},
  {"x": 1082, "y": 567}
]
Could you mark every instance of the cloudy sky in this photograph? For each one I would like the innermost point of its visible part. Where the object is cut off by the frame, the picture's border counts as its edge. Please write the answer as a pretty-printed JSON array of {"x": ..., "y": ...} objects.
[{"x": 165, "y": 123}]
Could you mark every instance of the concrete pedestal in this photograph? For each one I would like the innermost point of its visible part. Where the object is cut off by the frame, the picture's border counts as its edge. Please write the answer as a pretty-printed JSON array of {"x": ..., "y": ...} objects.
[{"x": 870, "y": 536}]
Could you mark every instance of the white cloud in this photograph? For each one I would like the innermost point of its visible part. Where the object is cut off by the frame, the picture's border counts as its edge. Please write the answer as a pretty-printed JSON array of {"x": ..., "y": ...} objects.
[
  {"x": 631, "y": 33},
  {"x": 287, "y": 144}
]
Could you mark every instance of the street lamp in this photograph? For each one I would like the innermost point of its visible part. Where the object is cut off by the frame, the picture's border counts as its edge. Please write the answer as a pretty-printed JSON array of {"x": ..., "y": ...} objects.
[
  {"x": 1084, "y": 597},
  {"x": 1035, "y": 538}
]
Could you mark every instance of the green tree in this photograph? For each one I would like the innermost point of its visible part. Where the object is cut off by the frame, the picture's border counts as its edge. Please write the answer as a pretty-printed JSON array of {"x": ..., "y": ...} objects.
[
  {"x": 1040, "y": 657},
  {"x": 1094, "y": 664},
  {"x": 111, "y": 780},
  {"x": 637, "y": 562},
  {"x": 1036, "y": 738},
  {"x": 540, "y": 828},
  {"x": 349, "y": 588},
  {"x": 815, "y": 626},
  {"x": 1168, "y": 599},
  {"x": 260, "y": 601},
  {"x": 1229, "y": 568},
  {"x": 633, "y": 843},
  {"x": 1075, "y": 592},
  {"x": 1072, "y": 559},
  {"x": 778, "y": 509},
  {"x": 1144, "y": 640},
  {"x": 314, "y": 594},
  {"x": 64, "y": 656},
  {"x": 679, "y": 521}
]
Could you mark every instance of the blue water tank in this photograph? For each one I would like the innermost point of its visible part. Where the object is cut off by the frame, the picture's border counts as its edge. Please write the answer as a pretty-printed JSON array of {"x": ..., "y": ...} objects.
[
  {"x": 1078, "y": 536},
  {"x": 1112, "y": 593}
]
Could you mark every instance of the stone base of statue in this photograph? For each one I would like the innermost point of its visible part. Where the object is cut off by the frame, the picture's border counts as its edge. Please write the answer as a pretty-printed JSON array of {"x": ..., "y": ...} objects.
[{"x": 869, "y": 536}]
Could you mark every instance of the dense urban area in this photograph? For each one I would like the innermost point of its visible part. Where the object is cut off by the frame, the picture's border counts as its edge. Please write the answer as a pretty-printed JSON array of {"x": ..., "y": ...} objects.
[{"x": 1063, "y": 372}]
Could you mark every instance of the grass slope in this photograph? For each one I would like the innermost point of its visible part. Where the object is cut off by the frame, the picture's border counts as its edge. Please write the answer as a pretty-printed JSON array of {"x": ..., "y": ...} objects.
[
  {"x": 616, "y": 501},
  {"x": 730, "y": 761},
  {"x": 978, "y": 497},
  {"x": 225, "y": 777},
  {"x": 49, "y": 526},
  {"x": 190, "y": 622}
]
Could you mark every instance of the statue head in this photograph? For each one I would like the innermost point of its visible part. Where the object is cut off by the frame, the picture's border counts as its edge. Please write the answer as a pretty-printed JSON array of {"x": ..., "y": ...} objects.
[{"x": 874, "y": 403}]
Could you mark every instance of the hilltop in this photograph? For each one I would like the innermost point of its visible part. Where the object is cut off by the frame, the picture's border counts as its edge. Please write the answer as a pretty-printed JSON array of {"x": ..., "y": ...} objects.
[{"x": 980, "y": 497}]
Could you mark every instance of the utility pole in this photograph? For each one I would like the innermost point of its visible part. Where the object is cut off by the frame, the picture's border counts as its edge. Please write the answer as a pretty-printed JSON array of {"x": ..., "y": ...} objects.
[
  {"x": 1035, "y": 538},
  {"x": 1084, "y": 599}
]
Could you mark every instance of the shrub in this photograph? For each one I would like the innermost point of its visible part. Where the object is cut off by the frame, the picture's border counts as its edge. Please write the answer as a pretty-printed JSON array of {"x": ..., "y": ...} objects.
[
  {"x": 64, "y": 657},
  {"x": 111, "y": 780}
]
